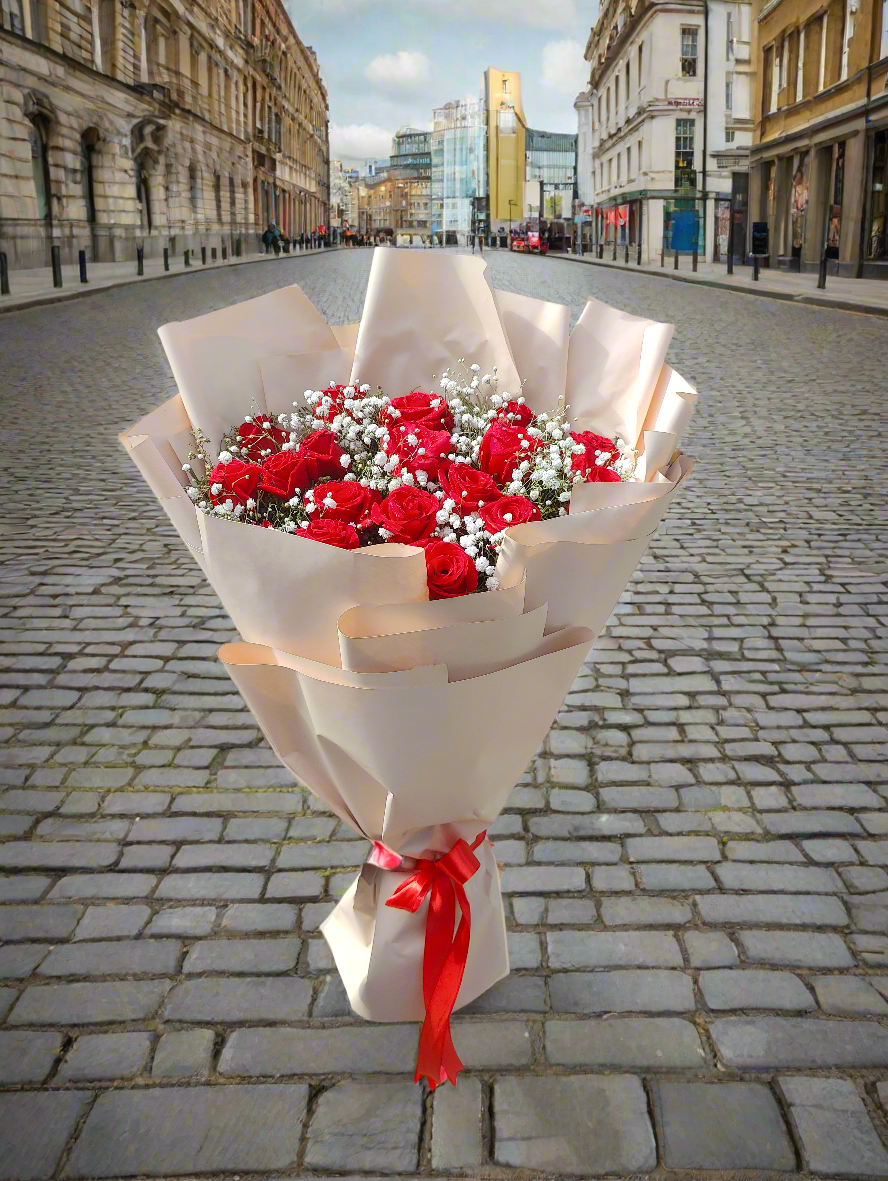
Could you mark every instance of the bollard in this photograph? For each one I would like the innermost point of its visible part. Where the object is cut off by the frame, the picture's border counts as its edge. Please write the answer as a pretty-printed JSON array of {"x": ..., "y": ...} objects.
[
  {"x": 166, "y": 258},
  {"x": 4, "y": 274},
  {"x": 755, "y": 267},
  {"x": 56, "y": 266},
  {"x": 626, "y": 254},
  {"x": 601, "y": 250},
  {"x": 224, "y": 252},
  {"x": 638, "y": 255},
  {"x": 213, "y": 253},
  {"x": 203, "y": 255},
  {"x": 694, "y": 260},
  {"x": 675, "y": 261},
  {"x": 663, "y": 254},
  {"x": 614, "y": 259},
  {"x": 140, "y": 260},
  {"x": 730, "y": 260},
  {"x": 821, "y": 277},
  {"x": 81, "y": 258},
  {"x": 187, "y": 258},
  {"x": 237, "y": 248}
]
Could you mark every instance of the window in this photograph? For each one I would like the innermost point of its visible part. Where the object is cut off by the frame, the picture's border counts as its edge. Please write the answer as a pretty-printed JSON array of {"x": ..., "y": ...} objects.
[
  {"x": 729, "y": 37},
  {"x": 821, "y": 73},
  {"x": 617, "y": 96},
  {"x": 217, "y": 193},
  {"x": 87, "y": 147},
  {"x": 628, "y": 164},
  {"x": 775, "y": 79},
  {"x": 505, "y": 85},
  {"x": 232, "y": 201},
  {"x": 194, "y": 185},
  {"x": 685, "y": 173},
  {"x": 876, "y": 244},
  {"x": 638, "y": 156},
  {"x": 689, "y": 52},
  {"x": 507, "y": 121},
  {"x": 619, "y": 167},
  {"x": 628, "y": 67},
  {"x": 641, "y": 59},
  {"x": 729, "y": 92},
  {"x": 11, "y": 16},
  {"x": 800, "y": 68},
  {"x": 846, "y": 36},
  {"x": 883, "y": 46},
  {"x": 143, "y": 195},
  {"x": 729, "y": 137},
  {"x": 40, "y": 169}
]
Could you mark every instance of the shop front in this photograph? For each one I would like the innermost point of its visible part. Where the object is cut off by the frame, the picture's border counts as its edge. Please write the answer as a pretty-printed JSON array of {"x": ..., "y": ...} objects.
[{"x": 875, "y": 243}]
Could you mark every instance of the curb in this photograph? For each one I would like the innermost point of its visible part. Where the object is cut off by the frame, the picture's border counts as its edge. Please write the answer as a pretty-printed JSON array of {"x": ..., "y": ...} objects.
[
  {"x": 835, "y": 304},
  {"x": 62, "y": 296}
]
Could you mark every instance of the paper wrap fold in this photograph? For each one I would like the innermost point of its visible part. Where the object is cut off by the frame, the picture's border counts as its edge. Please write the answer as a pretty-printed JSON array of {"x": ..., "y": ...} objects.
[{"x": 412, "y": 720}]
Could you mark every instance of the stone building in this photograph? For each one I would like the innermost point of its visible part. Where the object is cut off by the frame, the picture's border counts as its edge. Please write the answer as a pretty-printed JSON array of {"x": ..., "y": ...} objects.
[
  {"x": 671, "y": 86},
  {"x": 819, "y": 175},
  {"x": 142, "y": 122}
]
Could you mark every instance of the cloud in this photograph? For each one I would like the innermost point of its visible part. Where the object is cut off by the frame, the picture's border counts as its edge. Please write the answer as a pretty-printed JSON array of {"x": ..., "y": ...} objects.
[
  {"x": 564, "y": 68},
  {"x": 493, "y": 12},
  {"x": 359, "y": 141},
  {"x": 401, "y": 73}
]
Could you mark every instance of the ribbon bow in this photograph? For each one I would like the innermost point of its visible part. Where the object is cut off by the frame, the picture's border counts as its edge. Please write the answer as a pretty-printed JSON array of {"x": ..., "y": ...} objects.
[{"x": 444, "y": 954}]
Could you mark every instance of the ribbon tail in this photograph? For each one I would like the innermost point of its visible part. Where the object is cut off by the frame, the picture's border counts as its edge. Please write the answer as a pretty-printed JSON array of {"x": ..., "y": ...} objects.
[{"x": 437, "y": 1059}]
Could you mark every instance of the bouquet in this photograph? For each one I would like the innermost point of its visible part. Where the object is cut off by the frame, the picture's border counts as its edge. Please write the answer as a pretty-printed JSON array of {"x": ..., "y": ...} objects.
[{"x": 417, "y": 576}]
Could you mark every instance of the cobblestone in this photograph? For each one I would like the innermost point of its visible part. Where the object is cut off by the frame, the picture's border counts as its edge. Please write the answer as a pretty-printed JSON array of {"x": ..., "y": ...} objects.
[{"x": 714, "y": 792}]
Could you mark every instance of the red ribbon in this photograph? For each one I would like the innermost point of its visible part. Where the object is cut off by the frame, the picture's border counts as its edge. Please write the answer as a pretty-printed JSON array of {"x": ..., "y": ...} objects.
[{"x": 444, "y": 955}]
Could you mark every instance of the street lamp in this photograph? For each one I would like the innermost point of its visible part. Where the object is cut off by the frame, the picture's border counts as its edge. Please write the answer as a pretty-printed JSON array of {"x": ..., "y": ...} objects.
[{"x": 512, "y": 202}]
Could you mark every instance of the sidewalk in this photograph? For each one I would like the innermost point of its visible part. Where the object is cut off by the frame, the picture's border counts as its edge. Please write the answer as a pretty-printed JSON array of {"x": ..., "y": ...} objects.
[
  {"x": 867, "y": 296},
  {"x": 30, "y": 288}
]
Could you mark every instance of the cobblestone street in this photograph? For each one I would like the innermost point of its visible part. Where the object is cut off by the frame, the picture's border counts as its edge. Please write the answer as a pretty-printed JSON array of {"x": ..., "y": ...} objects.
[{"x": 695, "y": 867}]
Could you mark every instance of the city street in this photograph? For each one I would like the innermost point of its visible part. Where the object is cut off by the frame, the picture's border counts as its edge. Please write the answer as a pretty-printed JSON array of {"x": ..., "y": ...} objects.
[{"x": 695, "y": 865}]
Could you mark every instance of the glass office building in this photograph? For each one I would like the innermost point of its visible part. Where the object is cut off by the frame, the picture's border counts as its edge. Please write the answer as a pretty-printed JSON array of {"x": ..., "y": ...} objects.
[
  {"x": 551, "y": 158},
  {"x": 459, "y": 167}
]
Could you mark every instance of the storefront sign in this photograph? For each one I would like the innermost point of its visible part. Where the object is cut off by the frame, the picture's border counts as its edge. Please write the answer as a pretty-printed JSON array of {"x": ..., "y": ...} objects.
[
  {"x": 730, "y": 161},
  {"x": 684, "y": 102}
]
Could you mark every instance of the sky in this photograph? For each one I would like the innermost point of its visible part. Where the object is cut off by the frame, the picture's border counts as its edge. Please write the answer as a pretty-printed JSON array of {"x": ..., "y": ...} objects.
[{"x": 387, "y": 63}]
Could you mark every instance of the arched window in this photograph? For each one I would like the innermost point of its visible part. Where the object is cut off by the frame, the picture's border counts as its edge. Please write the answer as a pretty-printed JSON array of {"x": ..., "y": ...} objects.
[
  {"x": 143, "y": 193},
  {"x": 232, "y": 201},
  {"x": 87, "y": 172},
  {"x": 40, "y": 169},
  {"x": 217, "y": 193}
]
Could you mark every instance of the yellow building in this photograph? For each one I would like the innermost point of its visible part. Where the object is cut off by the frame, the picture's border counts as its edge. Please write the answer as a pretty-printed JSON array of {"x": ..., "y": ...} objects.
[
  {"x": 819, "y": 161},
  {"x": 506, "y": 144}
]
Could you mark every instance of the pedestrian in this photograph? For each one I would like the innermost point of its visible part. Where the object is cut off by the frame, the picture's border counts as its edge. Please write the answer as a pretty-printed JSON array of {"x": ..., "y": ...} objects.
[{"x": 268, "y": 237}]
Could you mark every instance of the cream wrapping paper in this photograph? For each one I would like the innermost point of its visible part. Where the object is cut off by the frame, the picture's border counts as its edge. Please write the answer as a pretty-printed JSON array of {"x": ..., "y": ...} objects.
[{"x": 412, "y": 720}]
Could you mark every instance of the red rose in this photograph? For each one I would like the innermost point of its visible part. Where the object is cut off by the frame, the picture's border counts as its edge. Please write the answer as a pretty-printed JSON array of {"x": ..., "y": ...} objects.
[
  {"x": 337, "y": 396},
  {"x": 599, "y": 474},
  {"x": 259, "y": 436},
  {"x": 321, "y": 446},
  {"x": 408, "y": 514},
  {"x": 238, "y": 481},
  {"x": 503, "y": 448},
  {"x": 592, "y": 444},
  {"x": 516, "y": 414},
  {"x": 508, "y": 511},
  {"x": 287, "y": 473},
  {"x": 426, "y": 454},
  {"x": 449, "y": 570},
  {"x": 338, "y": 533},
  {"x": 468, "y": 487},
  {"x": 353, "y": 503},
  {"x": 418, "y": 409}
]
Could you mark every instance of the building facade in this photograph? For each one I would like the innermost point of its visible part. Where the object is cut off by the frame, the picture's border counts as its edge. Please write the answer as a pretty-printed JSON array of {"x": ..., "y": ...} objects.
[
  {"x": 819, "y": 177},
  {"x": 459, "y": 168},
  {"x": 410, "y": 168},
  {"x": 670, "y": 89},
  {"x": 290, "y": 142},
  {"x": 506, "y": 147},
  {"x": 152, "y": 124}
]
